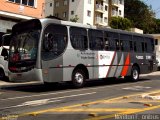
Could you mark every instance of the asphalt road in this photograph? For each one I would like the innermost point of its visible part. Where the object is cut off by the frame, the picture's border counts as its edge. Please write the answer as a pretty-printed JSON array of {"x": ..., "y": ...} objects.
[{"x": 100, "y": 99}]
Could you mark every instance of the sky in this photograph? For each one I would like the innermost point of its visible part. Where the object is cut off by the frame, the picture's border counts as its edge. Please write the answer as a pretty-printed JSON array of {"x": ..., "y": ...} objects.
[{"x": 155, "y": 4}]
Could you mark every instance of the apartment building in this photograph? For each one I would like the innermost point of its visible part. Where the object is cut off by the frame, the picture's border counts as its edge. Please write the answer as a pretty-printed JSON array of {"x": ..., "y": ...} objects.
[
  {"x": 93, "y": 12},
  {"x": 13, "y": 11}
]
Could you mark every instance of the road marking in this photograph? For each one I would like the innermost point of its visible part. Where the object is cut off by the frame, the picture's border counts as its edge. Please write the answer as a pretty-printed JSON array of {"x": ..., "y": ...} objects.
[
  {"x": 45, "y": 101},
  {"x": 92, "y": 110},
  {"x": 136, "y": 88},
  {"x": 79, "y": 90},
  {"x": 128, "y": 111},
  {"x": 78, "y": 105}
]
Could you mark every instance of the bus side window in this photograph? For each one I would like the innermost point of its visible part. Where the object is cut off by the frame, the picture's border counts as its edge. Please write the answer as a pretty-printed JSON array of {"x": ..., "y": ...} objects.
[
  {"x": 54, "y": 41},
  {"x": 146, "y": 48},
  {"x": 78, "y": 38},
  {"x": 143, "y": 47},
  {"x": 135, "y": 46},
  {"x": 131, "y": 45},
  {"x": 96, "y": 40},
  {"x": 117, "y": 44},
  {"x": 122, "y": 45},
  {"x": 106, "y": 47},
  {"x": 48, "y": 41},
  {"x": 107, "y": 40}
]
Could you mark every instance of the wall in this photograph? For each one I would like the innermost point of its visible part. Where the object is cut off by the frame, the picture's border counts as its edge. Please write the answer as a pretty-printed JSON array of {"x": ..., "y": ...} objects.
[{"x": 11, "y": 7}]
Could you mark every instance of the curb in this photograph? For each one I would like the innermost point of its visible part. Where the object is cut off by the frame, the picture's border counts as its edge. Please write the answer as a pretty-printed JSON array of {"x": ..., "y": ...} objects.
[{"x": 4, "y": 84}]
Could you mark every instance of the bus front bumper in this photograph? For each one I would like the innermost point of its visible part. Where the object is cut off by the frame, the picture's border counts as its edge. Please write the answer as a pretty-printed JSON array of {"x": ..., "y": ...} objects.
[{"x": 33, "y": 75}]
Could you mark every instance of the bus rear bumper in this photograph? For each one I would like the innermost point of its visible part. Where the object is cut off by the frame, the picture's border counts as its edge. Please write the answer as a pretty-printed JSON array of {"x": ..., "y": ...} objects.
[{"x": 33, "y": 75}]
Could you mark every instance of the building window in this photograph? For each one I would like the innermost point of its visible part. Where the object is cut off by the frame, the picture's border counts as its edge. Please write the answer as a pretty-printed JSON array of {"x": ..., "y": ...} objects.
[
  {"x": 57, "y": 4},
  {"x": 156, "y": 41},
  {"x": 24, "y": 2},
  {"x": 65, "y": 14},
  {"x": 106, "y": 8},
  {"x": 88, "y": 13},
  {"x": 120, "y": 1},
  {"x": 89, "y": 2},
  {"x": 31, "y": 2},
  {"x": 72, "y": 12},
  {"x": 65, "y": 2},
  {"x": 105, "y": 19},
  {"x": 50, "y": 4},
  {"x": 120, "y": 12}
]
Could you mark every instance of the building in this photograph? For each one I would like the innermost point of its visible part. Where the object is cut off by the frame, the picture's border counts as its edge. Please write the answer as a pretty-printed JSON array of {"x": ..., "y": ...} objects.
[
  {"x": 157, "y": 47},
  {"x": 13, "y": 11},
  {"x": 92, "y": 12}
]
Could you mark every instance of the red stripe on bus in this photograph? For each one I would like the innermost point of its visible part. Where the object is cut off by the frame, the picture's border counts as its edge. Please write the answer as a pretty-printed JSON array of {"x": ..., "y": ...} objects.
[{"x": 126, "y": 66}]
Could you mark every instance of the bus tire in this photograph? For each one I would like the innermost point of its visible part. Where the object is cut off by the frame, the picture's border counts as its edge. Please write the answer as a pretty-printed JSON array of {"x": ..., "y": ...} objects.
[
  {"x": 2, "y": 75},
  {"x": 135, "y": 74},
  {"x": 78, "y": 78}
]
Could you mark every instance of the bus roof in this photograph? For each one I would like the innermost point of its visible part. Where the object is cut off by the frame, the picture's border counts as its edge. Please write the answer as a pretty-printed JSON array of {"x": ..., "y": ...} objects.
[
  {"x": 56, "y": 21},
  {"x": 68, "y": 23}
]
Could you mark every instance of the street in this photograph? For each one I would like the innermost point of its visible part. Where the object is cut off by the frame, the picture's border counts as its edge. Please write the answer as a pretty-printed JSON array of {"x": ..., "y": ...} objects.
[{"x": 99, "y": 100}]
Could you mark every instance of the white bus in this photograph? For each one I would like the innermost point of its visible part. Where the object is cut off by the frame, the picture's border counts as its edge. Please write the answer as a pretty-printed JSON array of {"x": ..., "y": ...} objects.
[{"x": 52, "y": 50}]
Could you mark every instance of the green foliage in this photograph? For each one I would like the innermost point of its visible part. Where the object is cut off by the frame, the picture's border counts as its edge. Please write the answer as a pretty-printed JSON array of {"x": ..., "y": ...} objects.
[
  {"x": 74, "y": 19},
  {"x": 157, "y": 27},
  {"x": 140, "y": 15},
  {"x": 120, "y": 23}
]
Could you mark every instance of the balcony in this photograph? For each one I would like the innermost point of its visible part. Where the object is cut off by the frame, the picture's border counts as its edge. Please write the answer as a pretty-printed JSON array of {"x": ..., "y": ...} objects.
[
  {"x": 99, "y": 21},
  {"x": 105, "y": 1},
  {"x": 115, "y": 3},
  {"x": 114, "y": 13},
  {"x": 99, "y": 8}
]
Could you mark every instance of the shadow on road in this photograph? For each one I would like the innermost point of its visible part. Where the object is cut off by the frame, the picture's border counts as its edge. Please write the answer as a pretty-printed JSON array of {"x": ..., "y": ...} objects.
[{"x": 40, "y": 88}]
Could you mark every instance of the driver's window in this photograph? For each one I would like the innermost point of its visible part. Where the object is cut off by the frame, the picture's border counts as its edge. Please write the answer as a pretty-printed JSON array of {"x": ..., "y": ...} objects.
[{"x": 54, "y": 41}]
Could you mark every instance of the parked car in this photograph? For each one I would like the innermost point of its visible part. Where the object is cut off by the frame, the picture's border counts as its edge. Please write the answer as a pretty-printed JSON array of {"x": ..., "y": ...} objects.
[{"x": 3, "y": 62}]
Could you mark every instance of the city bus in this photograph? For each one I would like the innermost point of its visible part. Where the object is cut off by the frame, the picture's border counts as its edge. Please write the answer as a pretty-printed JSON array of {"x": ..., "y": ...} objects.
[{"x": 51, "y": 50}]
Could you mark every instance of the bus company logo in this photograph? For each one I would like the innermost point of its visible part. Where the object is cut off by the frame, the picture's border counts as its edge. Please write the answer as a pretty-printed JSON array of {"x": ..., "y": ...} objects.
[
  {"x": 104, "y": 57},
  {"x": 139, "y": 57}
]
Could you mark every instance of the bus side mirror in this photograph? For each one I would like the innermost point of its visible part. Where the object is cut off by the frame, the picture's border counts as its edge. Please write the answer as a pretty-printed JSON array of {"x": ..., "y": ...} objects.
[{"x": 48, "y": 41}]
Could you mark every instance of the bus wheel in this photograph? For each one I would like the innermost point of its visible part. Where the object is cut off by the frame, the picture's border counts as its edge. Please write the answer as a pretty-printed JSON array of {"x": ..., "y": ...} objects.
[
  {"x": 2, "y": 75},
  {"x": 78, "y": 78},
  {"x": 135, "y": 73}
]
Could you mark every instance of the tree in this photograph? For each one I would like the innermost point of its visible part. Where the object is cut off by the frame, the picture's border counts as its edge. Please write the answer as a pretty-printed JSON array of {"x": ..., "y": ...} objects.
[
  {"x": 74, "y": 19},
  {"x": 157, "y": 27},
  {"x": 120, "y": 23},
  {"x": 140, "y": 15}
]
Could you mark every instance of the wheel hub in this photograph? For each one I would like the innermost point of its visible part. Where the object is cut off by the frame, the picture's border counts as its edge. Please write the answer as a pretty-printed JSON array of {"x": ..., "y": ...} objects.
[{"x": 79, "y": 78}]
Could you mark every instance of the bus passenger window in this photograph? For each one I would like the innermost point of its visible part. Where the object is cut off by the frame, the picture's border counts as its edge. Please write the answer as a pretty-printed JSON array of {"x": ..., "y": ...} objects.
[
  {"x": 106, "y": 44},
  {"x": 48, "y": 41},
  {"x": 78, "y": 38},
  {"x": 146, "y": 49},
  {"x": 96, "y": 40},
  {"x": 117, "y": 44},
  {"x": 54, "y": 41},
  {"x": 131, "y": 45},
  {"x": 143, "y": 47},
  {"x": 135, "y": 47}
]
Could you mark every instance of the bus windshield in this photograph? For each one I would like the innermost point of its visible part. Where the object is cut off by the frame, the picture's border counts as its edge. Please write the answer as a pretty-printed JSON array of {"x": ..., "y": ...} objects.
[{"x": 23, "y": 49}]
